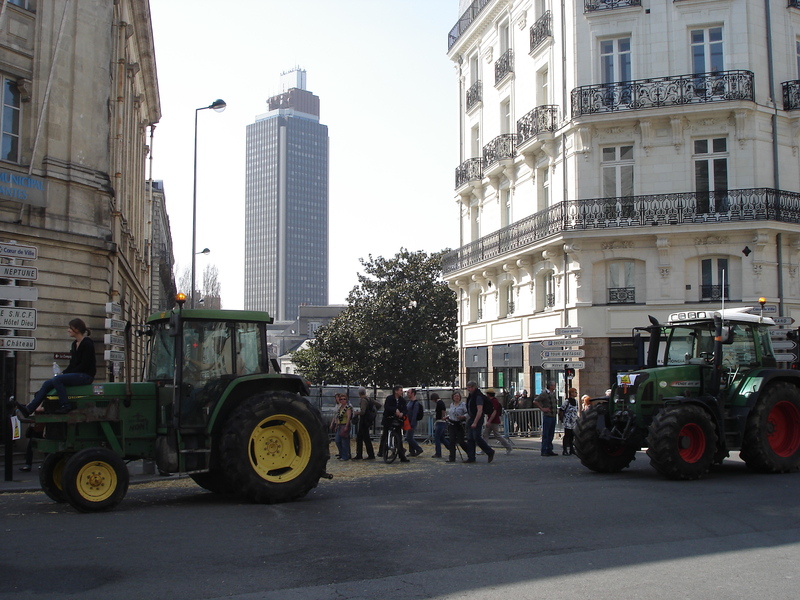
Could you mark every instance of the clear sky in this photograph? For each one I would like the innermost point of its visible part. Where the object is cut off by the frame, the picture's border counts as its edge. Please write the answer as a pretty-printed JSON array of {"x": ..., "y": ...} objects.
[{"x": 388, "y": 94}]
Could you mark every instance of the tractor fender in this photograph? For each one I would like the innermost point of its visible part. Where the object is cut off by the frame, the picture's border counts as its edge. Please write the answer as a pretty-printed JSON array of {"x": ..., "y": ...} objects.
[{"x": 768, "y": 377}]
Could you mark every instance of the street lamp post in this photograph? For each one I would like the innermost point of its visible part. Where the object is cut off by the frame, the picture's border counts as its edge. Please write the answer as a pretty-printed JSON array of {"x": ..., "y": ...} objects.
[{"x": 219, "y": 106}]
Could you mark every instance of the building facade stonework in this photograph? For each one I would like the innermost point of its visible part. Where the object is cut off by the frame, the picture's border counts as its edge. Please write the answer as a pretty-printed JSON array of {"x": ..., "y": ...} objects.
[
  {"x": 80, "y": 91},
  {"x": 619, "y": 159}
]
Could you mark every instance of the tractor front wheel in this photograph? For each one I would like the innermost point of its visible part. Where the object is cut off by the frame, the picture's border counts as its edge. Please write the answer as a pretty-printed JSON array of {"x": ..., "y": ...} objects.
[
  {"x": 771, "y": 441},
  {"x": 50, "y": 476},
  {"x": 95, "y": 479},
  {"x": 597, "y": 454},
  {"x": 274, "y": 448},
  {"x": 682, "y": 442}
]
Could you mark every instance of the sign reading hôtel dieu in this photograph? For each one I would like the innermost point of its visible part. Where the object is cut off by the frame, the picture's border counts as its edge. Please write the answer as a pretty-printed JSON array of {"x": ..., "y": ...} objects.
[{"x": 22, "y": 188}]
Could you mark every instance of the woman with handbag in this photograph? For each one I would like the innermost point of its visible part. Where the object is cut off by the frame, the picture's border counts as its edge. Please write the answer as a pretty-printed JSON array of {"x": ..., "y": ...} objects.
[
  {"x": 341, "y": 425},
  {"x": 456, "y": 419}
]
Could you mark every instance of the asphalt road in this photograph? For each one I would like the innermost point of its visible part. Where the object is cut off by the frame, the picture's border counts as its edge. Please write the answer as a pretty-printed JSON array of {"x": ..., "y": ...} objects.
[{"x": 523, "y": 527}]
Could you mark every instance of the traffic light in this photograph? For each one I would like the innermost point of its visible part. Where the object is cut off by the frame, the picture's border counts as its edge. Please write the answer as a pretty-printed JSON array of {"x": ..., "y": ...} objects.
[{"x": 569, "y": 372}]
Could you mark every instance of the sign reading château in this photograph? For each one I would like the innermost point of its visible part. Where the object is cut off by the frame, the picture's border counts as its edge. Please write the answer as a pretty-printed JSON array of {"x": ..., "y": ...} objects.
[{"x": 11, "y": 342}]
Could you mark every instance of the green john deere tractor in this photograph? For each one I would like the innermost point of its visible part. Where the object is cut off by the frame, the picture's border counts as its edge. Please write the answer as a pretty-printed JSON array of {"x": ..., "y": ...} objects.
[
  {"x": 212, "y": 405},
  {"x": 711, "y": 386}
]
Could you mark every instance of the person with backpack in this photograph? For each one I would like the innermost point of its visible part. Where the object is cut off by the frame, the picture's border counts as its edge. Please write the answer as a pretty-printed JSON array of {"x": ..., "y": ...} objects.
[
  {"x": 368, "y": 410},
  {"x": 477, "y": 404},
  {"x": 493, "y": 422},
  {"x": 415, "y": 414},
  {"x": 439, "y": 426}
]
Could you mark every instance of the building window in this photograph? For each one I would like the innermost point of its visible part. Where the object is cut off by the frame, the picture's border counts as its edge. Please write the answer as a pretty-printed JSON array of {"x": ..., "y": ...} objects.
[
  {"x": 714, "y": 280},
  {"x": 505, "y": 207},
  {"x": 711, "y": 174},
  {"x": 617, "y": 170},
  {"x": 11, "y": 121},
  {"x": 797, "y": 44},
  {"x": 475, "y": 141},
  {"x": 543, "y": 89},
  {"x": 475, "y": 221},
  {"x": 505, "y": 116},
  {"x": 615, "y": 60},
  {"x": 550, "y": 290},
  {"x": 707, "y": 50},
  {"x": 621, "y": 286},
  {"x": 544, "y": 188}
]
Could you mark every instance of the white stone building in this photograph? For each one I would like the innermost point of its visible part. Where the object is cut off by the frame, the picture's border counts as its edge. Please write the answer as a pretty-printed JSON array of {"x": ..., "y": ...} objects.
[{"x": 619, "y": 158}]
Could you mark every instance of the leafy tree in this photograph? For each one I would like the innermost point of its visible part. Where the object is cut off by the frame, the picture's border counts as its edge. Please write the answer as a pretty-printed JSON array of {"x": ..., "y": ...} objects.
[{"x": 399, "y": 327}]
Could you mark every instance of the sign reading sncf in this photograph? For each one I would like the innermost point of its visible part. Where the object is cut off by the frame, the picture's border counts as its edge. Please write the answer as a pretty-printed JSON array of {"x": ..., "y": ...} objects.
[{"x": 22, "y": 188}]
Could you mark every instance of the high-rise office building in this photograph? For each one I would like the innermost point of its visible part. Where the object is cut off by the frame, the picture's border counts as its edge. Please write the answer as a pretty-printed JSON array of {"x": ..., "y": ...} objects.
[{"x": 286, "y": 204}]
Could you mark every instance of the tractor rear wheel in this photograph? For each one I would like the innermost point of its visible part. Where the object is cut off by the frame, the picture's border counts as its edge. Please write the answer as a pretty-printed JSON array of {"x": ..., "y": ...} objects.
[
  {"x": 274, "y": 448},
  {"x": 50, "y": 476},
  {"x": 95, "y": 479},
  {"x": 771, "y": 441},
  {"x": 682, "y": 442},
  {"x": 597, "y": 454}
]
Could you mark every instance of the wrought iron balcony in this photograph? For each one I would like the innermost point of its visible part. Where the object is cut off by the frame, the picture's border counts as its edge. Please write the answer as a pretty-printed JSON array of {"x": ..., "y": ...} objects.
[
  {"x": 541, "y": 30},
  {"x": 720, "y": 86},
  {"x": 474, "y": 94},
  {"x": 465, "y": 21},
  {"x": 500, "y": 148},
  {"x": 714, "y": 293},
  {"x": 794, "y": 3},
  {"x": 624, "y": 295},
  {"x": 613, "y": 214},
  {"x": 593, "y": 5},
  {"x": 541, "y": 118},
  {"x": 791, "y": 94},
  {"x": 470, "y": 170},
  {"x": 549, "y": 300},
  {"x": 504, "y": 66}
]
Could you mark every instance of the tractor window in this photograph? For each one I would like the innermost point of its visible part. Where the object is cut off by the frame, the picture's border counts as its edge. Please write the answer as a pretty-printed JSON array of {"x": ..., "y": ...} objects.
[
  {"x": 742, "y": 352},
  {"x": 162, "y": 351},
  {"x": 249, "y": 350},
  {"x": 208, "y": 366},
  {"x": 686, "y": 344}
]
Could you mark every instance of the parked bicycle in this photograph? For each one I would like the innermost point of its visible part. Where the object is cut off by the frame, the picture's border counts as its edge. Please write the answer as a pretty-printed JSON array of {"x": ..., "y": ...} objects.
[{"x": 394, "y": 440}]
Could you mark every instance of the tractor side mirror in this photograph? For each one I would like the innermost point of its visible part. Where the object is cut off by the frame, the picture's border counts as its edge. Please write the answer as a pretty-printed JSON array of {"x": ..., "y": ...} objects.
[
  {"x": 174, "y": 321},
  {"x": 726, "y": 335}
]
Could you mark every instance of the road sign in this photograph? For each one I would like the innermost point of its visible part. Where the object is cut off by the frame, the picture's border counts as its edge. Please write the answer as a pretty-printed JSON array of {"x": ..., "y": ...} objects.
[
  {"x": 114, "y": 309},
  {"x": 17, "y": 251},
  {"x": 783, "y": 320},
  {"x": 115, "y": 324},
  {"x": 110, "y": 339},
  {"x": 778, "y": 333},
  {"x": 783, "y": 345},
  {"x": 769, "y": 309},
  {"x": 15, "y": 272},
  {"x": 565, "y": 343},
  {"x": 13, "y": 342},
  {"x": 114, "y": 355},
  {"x": 13, "y": 292},
  {"x": 550, "y": 354},
  {"x": 569, "y": 330},
  {"x": 575, "y": 364},
  {"x": 785, "y": 357},
  {"x": 17, "y": 318}
]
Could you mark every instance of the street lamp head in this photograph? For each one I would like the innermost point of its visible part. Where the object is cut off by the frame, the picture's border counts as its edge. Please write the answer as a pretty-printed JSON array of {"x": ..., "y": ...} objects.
[
  {"x": 204, "y": 251},
  {"x": 218, "y": 105}
]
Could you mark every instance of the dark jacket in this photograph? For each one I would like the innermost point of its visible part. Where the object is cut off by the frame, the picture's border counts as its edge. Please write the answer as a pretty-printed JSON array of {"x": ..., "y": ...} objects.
[
  {"x": 476, "y": 399},
  {"x": 82, "y": 359},
  {"x": 391, "y": 405}
]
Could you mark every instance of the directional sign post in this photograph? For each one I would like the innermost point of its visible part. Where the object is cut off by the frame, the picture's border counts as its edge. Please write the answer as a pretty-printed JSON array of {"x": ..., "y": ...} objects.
[
  {"x": 17, "y": 251},
  {"x": 785, "y": 357},
  {"x": 569, "y": 330},
  {"x": 783, "y": 320},
  {"x": 565, "y": 343},
  {"x": 575, "y": 364},
  {"x": 17, "y": 318},
  {"x": 551, "y": 354},
  {"x": 13, "y": 292},
  {"x": 15, "y": 272},
  {"x": 13, "y": 342}
]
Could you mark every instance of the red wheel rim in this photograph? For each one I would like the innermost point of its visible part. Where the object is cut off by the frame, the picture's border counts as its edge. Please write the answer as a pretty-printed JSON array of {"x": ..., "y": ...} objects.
[
  {"x": 691, "y": 442},
  {"x": 783, "y": 429}
]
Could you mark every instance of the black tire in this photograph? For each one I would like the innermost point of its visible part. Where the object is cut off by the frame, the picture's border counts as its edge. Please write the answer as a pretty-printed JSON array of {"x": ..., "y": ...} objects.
[
  {"x": 274, "y": 448},
  {"x": 50, "y": 476},
  {"x": 771, "y": 441},
  {"x": 595, "y": 453},
  {"x": 682, "y": 442},
  {"x": 214, "y": 481},
  {"x": 393, "y": 442},
  {"x": 95, "y": 479}
]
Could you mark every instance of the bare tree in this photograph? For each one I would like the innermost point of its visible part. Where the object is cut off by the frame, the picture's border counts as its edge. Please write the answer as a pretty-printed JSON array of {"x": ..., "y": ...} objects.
[
  {"x": 185, "y": 281},
  {"x": 212, "y": 289}
]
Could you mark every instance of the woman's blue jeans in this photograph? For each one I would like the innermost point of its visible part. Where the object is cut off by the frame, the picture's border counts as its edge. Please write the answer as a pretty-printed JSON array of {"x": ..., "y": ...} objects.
[
  {"x": 439, "y": 439},
  {"x": 59, "y": 383}
]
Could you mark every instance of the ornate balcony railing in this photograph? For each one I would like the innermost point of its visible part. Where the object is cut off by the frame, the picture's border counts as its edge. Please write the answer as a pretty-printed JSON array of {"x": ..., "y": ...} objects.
[
  {"x": 713, "y": 293},
  {"x": 502, "y": 147},
  {"x": 791, "y": 95},
  {"x": 622, "y": 295},
  {"x": 758, "y": 204},
  {"x": 794, "y": 3},
  {"x": 470, "y": 170},
  {"x": 593, "y": 5},
  {"x": 541, "y": 118},
  {"x": 465, "y": 21},
  {"x": 541, "y": 30},
  {"x": 721, "y": 86},
  {"x": 549, "y": 300},
  {"x": 504, "y": 66},
  {"x": 474, "y": 94}
]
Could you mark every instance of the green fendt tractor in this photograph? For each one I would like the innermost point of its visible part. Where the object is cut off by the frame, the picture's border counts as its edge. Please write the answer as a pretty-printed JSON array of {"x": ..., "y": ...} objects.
[
  {"x": 212, "y": 405},
  {"x": 711, "y": 386}
]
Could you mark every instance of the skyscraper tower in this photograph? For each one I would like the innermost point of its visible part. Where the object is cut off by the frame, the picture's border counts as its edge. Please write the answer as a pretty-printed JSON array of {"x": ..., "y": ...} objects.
[{"x": 286, "y": 204}]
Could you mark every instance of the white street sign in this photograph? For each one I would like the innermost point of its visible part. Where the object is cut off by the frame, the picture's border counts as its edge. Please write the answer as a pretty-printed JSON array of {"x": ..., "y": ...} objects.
[
  {"x": 17, "y": 251},
  {"x": 575, "y": 364},
  {"x": 769, "y": 309},
  {"x": 110, "y": 339},
  {"x": 783, "y": 320},
  {"x": 569, "y": 330},
  {"x": 113, "y": 308},
  {"x": 565, "y": 343},
  {"x": 114, "y": 355},
  {"x": 17, "y": 318},
  {"x": 15, "y": 272},
  {"x": 783, "y": 345},
  {"x": 12, "y": 342},
  {"x": 550, "y": 354},
  {"x": 785, "y": 357},
  {"x": 115, "y": 324},
  {"x": 12, "y": 292},
  {"x": 778, "y": 333}
]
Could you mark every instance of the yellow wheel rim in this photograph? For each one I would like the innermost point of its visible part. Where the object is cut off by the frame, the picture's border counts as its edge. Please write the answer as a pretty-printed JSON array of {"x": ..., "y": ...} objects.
[
  {"x": 97, "y": 481},
  {"x": 279, "y": 448},
  {"x": 58, "y": 471}
]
